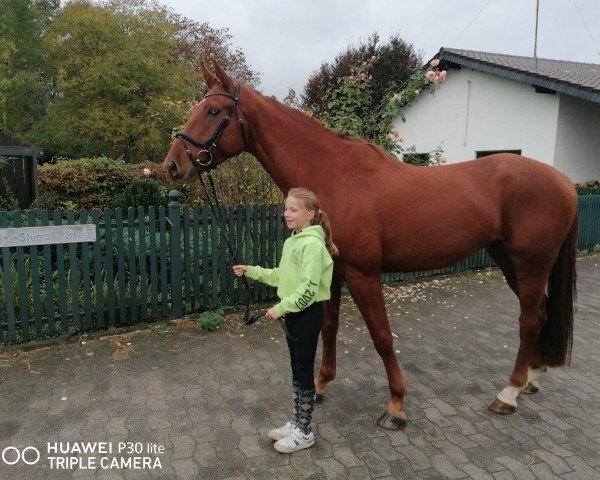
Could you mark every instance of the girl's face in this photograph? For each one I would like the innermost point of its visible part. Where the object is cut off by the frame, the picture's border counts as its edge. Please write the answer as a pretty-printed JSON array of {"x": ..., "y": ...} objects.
[{"x": 295, "y": 216}]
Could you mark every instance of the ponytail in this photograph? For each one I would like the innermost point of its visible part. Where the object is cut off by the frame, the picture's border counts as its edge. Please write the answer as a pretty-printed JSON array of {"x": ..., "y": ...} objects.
[
  {"x": 310, "y": 203},
  {"x": 322, "y": 219}
]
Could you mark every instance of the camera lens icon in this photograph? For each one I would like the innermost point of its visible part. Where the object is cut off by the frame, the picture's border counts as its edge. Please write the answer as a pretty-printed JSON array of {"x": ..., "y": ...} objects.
[{"x": 12, "y": 455}]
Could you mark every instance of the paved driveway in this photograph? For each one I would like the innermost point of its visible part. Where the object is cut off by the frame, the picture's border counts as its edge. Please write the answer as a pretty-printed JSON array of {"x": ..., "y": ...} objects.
[{"x": 181, "y": 403}]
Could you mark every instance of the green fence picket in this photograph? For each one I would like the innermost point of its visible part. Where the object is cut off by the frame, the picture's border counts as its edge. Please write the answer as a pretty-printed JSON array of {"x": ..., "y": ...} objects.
[
  {"x": 121, "y": 279},
  {"x": 48, "y": 280},
  {"x": 35, "y": 280},
  {"x": 111, "y": 293},
  {"x": 164, "y": 298},
  {"x": 73, "y": 275},
  {"x": 9, "y": 295},
  {"x": 153, "y": 262},
  {"x": 141, "y": 217},
  {"x": 187, "y": 264},
  {"x": 132, "y": 276},
  {"x": 100, "y": 318},
  {"x": 197, "y": 241},
  {"x": 206, "y": 265},
  {"x": 23, "y": 296},
  {"x": 85, "y": 277}
]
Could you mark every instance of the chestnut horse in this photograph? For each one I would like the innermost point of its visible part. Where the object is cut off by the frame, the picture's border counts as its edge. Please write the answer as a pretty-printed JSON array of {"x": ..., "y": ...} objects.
[{"x": 388, "y": 216}]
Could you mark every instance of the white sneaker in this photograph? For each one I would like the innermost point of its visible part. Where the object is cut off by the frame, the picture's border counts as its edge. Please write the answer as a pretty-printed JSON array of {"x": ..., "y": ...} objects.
[
  {"x": 281, "y": 432},
  {"x": 295, "y": 441}
]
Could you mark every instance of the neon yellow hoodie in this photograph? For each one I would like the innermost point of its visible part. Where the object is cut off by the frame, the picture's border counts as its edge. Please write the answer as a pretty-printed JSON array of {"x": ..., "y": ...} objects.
[{"x": 304, "y": 273}]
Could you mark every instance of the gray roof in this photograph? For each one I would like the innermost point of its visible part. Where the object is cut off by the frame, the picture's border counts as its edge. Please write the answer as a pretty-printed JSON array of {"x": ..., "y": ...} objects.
[{"x": 571, "y": 78}]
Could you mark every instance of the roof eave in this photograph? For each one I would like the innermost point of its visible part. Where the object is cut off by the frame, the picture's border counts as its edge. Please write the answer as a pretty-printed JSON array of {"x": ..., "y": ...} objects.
[{"x": 590, "y": 96}]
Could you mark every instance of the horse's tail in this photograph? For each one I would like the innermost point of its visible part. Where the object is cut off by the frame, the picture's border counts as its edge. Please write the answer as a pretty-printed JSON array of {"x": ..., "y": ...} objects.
[{"x": 556, "y": 337}]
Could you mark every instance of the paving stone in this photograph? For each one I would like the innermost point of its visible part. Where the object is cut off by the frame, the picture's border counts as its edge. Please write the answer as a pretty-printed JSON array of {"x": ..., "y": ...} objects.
[{"x": 209, "y": 398}]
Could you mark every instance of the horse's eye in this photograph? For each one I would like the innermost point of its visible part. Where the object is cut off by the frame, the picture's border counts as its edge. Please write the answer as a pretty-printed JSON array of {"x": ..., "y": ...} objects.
[{"x": 213, "y": 111}]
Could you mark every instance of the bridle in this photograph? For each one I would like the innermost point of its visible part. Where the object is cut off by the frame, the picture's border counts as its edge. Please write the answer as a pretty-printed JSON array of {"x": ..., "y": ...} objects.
[
  {"x": 207, "y": 148},
  {"x": 209, "y": 145}
]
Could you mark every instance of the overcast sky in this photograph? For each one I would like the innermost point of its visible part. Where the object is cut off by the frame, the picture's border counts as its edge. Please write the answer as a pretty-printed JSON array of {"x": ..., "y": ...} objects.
[{"x": 287, "y": 40}]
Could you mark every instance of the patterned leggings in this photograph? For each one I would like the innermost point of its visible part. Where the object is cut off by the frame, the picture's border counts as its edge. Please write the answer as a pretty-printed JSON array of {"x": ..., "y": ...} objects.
[{"x": 305, "y": 327}]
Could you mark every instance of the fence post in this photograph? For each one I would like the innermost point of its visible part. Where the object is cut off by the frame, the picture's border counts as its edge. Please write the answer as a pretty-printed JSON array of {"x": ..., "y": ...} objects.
[{"x": 175, "y": 237}]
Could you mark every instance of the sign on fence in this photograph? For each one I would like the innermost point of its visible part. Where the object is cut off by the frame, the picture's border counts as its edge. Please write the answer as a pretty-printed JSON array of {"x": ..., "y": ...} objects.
[{"x": 29, "y": 236}]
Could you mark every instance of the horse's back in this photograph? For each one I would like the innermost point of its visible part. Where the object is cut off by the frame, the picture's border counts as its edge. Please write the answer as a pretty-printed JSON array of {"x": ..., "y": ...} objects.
[{"x": 434, "y": 216}]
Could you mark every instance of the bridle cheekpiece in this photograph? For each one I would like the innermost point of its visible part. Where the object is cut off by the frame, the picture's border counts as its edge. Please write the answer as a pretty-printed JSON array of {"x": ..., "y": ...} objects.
[{"x": 207, "y": 147}]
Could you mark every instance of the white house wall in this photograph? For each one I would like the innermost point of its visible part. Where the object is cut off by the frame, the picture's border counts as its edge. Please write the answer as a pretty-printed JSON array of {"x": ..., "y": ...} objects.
[
  {"x": 502, "y": 115},
  {"x": 578, "y": 139}
]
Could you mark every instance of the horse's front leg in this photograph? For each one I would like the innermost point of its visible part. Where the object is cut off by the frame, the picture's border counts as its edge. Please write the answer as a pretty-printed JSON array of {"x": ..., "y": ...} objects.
[
  {"x": 368, "y": 296},
  {"x": 328, "y": 337}
]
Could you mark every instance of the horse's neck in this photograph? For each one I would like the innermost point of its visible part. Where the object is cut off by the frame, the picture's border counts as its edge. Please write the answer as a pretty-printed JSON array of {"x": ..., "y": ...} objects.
[{"x": 294, "y": 151}]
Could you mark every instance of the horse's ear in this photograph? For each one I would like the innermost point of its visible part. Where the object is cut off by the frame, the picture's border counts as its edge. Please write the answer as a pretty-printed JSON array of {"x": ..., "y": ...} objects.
[
  {"x": 209, "y": 77},
  {"x": 225, "y": 79}
]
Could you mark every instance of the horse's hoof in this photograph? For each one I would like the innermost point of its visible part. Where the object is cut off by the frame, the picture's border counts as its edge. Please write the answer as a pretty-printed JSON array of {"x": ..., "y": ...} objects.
[
  {"x": 391, "y": 422},
  {"x": 502, "y": 408},
  {"x": 531, "y": 389},
  {"x": 320, "y": 397}
]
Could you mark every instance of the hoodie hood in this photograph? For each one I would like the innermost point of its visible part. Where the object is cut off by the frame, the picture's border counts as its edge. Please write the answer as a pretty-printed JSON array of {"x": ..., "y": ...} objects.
[{"x": 312, "y": 231}]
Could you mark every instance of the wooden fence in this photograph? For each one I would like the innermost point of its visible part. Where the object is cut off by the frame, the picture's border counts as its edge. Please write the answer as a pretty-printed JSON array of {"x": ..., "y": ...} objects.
[{"x": 156, "y": 263}]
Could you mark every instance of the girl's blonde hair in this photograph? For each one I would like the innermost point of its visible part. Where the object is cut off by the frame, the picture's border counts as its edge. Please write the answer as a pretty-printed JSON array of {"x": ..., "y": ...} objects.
[{"x": 310, "y": 203}]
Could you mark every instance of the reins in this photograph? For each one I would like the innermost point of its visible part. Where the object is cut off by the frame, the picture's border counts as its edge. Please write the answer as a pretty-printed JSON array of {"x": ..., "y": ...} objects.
[{"x": 215, "y": 207}]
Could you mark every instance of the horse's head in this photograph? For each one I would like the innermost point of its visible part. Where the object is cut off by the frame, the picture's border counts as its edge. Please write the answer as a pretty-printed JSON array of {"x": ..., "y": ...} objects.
[{"x": 214, "y": 131}]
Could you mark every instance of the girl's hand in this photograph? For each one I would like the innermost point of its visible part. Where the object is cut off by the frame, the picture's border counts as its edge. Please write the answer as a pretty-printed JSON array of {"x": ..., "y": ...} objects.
[
  {"x": 240, "y": 270},
  {"x": 271, "y": 314}
]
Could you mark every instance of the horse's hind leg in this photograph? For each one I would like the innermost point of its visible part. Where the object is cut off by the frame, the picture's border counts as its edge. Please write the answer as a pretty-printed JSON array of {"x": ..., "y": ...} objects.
[
  {"x": 531, "y": 288},
  {"x": 368, "y": 296},
  {"x": 328, "y": 337},
  {"x": 502, "y": 258}
]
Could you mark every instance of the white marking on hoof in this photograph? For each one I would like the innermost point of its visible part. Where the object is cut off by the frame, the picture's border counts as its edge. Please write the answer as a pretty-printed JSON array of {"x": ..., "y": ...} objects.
[
  {"x": 509, "y": 395},
  {"x": 532, "y": 376}
]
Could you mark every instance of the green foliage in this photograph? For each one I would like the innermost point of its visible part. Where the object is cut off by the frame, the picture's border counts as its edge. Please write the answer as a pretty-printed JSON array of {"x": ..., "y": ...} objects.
[
  {"x": 349, "y": 101},
  {"x": 141, "y": 193},
  {"x": 24, "y": 89},
  {"x": 397, "y": 60},
  {"x": 8, "y": 201},
  {"x": 410, "y": 156},
  {"x": 110, "y": 78},
  {"x": 239, "y": 181},
  {"x": 106, "y": 183},
  {"x": 89, "y": 182},
  {"x": 211, "y": 320},
  {"x": 596, "y": 248},
  {"x": 118, "y": 87}
]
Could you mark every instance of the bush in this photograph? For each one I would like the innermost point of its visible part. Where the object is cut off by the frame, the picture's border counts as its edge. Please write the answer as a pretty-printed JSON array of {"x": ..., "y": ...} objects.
[
  {"x": 89, "y": 183},
  {"x": 141, "y": 193}
]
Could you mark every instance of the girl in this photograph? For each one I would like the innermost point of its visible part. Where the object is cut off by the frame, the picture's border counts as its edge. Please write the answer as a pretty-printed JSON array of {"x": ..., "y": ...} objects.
[{"x": 303, "y": 281}]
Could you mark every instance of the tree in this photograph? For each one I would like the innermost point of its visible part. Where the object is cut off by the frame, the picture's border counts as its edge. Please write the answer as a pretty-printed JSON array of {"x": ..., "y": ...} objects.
[
  {"x": 199, "y": 42},
  {"x": 104, "y": 78},
  {"x": 117, "y": 89},
  {"x": 23, "y": 83},
  {"x": 396, "y": 61}
]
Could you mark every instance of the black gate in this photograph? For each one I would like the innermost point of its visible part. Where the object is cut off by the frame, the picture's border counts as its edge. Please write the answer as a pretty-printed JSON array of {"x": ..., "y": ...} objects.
[{"x": 18, "y": 171}]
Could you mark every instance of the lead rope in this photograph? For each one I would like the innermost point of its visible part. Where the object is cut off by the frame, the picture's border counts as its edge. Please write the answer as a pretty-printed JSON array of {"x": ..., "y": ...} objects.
[{"x": 216, "y": 211}]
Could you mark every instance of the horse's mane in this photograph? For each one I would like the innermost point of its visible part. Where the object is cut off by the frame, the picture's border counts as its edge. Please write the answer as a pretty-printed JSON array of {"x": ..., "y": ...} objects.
[{"x": 309, "y": 119}]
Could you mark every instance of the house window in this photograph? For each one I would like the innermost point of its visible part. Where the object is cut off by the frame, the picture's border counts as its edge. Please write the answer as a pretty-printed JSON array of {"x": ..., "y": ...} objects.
[
  {"x": 485, "y": 153},
  {"x": 418, "y": 159}
]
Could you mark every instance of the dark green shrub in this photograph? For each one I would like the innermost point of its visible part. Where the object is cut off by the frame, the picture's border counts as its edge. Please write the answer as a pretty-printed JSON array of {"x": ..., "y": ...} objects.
[{"x": 141, "y": 193}]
